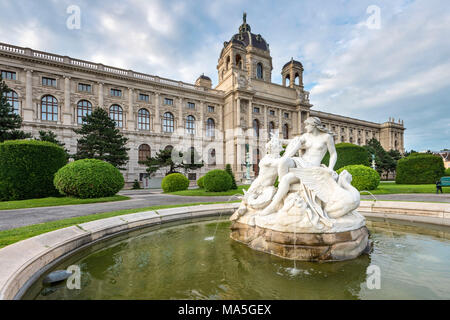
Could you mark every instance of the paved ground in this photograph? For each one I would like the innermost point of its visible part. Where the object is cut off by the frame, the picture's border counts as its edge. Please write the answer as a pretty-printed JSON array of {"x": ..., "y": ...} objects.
[{"x": 10, "y": 219}]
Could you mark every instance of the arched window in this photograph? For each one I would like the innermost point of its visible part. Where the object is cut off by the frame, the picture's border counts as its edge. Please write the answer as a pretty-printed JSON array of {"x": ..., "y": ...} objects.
[
  {"x": 259, "y": 71},
  {"x": 256, "y": 128},
  {"x": 13, "y": 99},
  {"x": 227, "y": 65},
  {"x": 210, "y": 128},
  {"x": 116, "y": 114},
  {"x": 144, "y": 152},
  {"x": 351, "y": 139},
  {"x": 297, "y": 79},
  {"x": 168, "y": 147},
  {"x": 212, "y": 157},
  {"x": 239, "y": 61},
  {"x": 286, "y": 131},
  {"x": 190, "y": 125},
  {"x": 49, "y": 108},
  {"x": 288, "y": 80},
  {"x": 84, "y": 108},
  {"x": 168, "y": 122},
  {"x": 143, "y": 119},
  {"x": 271, "y": 129}
]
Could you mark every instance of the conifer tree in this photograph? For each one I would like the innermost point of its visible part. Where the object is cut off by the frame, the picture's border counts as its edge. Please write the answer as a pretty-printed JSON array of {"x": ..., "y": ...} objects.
[
  {"x": 230, "y": 172},
  {"x": 100, "y": 139}
]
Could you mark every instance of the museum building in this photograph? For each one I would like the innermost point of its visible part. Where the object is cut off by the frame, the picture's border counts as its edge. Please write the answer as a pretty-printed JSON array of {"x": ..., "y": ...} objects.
[{"x": 230, "y": 123}]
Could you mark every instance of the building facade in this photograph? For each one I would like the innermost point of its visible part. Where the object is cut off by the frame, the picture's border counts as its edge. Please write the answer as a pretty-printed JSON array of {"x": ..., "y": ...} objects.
[{"x": 230, "y": 123}]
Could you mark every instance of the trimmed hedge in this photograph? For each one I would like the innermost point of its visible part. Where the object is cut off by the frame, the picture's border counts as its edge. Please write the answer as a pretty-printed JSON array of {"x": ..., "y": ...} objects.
[
  {"x": 447, "y": 172},
  {"x": 201, "y": 182},
  {"x": 27, "y": 169},
  {"x": 217, "y": 180},
  {"x": 89, "y": 178},
  {"x": 419, "y": 169},
  {"x": 363, "y": 177},
  {"x": 174, "y": 182},
  {"x": 348, "y": 154}
]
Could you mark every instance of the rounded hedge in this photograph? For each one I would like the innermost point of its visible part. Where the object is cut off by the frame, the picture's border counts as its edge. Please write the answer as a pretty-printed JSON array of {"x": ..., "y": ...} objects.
[
  {"x": 174, "y": 182},
  {"x": 419, "y": 169},
  {"x": 447, "y": 172},
  {"x": 89, "y": 178},
  {"x": 363, "y": 177},
  {"x": 217, "y": 180},
  {"x": 201, "y": 182},
  {"x": 27, "y": 169},
  {"x": 348, "y": 154}
]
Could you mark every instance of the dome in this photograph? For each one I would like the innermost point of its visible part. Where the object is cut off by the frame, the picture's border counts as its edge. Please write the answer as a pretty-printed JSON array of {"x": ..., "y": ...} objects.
[
  {"x": 294, "y": 62},
  {"x": 202, "y": 76}
]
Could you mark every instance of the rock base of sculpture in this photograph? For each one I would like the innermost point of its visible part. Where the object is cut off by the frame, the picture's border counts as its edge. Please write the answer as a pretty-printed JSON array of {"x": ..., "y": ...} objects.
[{"x": 304, "y": 246}]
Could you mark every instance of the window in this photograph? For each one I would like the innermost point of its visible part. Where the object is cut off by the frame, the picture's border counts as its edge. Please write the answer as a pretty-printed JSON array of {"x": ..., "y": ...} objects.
[
  {"x": 13, "y": 99},
  {"x": 116, "y": 92},
  {"x": 256, "y": 110},
  {"x": 238, "y": 61},
  {"x": 144, "y": 152},
  {"x": 168, "y": 101},
  {"x": 256, "y": 128},
  {"x": 210, "y": 109},
  {"x": 286, "y": 131},
  {"x": 48, "y": 82},
  {"x": 84, "y": 87},
  {"x": 143, "y": 97},
  {"x": 210, "y": 128},
  {"x": 8, "y": 75},
  {"x": 168, "y": 122},
  {"x": 342, "y": 138},
  {"x": 190, "y": 125},
  {"x": 212, "y": 157},
  {"x": 84, "y": 108},
  {"x": 286, "y": 115},
  {"x": 143, "y": 119},
  {"x": 359, "y": 141},
  {"x": 49, "y": 108},
  {"x": 259, "y": 71},
  {"x": 272, "y": 112},
  {"x": 116, "y": 114},
  {"x": 342, "y": 129},
  {"x": 271, "y": 129},
  {"x": 191, "y": 105},
  {"x": 351, "y": 139},
  {"x": 192, "y": 176}
]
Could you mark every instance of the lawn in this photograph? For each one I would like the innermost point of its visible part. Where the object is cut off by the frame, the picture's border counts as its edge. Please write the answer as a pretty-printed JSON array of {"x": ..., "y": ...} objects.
[
  {"x": 392, "y": 188},
  {"x": 54, "y": 201},
  {"x": 11, "y": 236},
  {"x": 202, "y": 192}
]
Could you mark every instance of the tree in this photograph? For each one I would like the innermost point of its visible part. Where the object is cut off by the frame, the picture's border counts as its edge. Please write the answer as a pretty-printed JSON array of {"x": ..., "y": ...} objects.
[
  {"x": 100, "y": 139},
  {"x": 9, "y": 121},
  {"x": 233, "y": 180},
  {"x": 50, "y": 136},
  {"x": 383, "y": 161}
]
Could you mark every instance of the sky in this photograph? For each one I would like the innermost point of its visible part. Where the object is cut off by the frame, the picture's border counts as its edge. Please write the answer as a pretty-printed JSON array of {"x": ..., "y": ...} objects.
[{"x": 369, "y": 60}]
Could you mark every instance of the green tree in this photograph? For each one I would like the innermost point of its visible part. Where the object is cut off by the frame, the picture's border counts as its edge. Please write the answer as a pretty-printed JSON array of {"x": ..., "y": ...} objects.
[
  {"x": 100, "y": 139},
  {"x": 9, "y": 121},
  {"x": 383, "y": 161},
  {"x": 233, "y": 180},
  {"x": 50, "y": 136}
]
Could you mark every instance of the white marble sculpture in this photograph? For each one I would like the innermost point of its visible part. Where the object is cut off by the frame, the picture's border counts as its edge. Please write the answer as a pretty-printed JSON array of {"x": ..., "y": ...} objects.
[{"x": 311, "y": 197}]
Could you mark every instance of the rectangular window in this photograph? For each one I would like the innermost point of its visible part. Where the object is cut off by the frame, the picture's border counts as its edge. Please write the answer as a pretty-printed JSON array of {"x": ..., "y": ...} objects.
[
  {"x": 8, "y": 75},
  {"x": 272, "y": 112},
  {"x": 116, "y": 92},
  {"x": 48, "y": 82},
  {"x": 286, "y": 115},
  {"x": 168, "y": 101},
  {"x": 256, "y": 110},
  {"x": 84, "y": 87},
  {"x": 143, "y": 97},
  {"x": 210, "y": 109},
  {"x": 191, "y": 105}
]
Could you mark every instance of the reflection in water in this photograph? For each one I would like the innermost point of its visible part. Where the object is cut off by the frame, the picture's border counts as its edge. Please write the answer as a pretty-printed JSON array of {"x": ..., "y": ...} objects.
[{"x": 177, "y": 263}]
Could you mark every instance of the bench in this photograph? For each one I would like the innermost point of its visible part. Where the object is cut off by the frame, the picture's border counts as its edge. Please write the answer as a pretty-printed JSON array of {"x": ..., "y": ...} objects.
[{"x": 443, "y": 182}]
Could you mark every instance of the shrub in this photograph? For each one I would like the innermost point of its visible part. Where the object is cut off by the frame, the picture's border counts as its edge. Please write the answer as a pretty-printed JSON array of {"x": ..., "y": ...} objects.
[
  {"x": 348, "y": 154},
  {"x": 136, "y": 185},
  {"x": 174, "y": 182},
  {"x": 217, "y": 180},
  {"x": 201, "y": 182},
  {"x": 419, "y": 169},
  {"x": 233, "y": 180},
  {"x": 363, "y": 177},
  {"x": 27, "y": 169},
  {"x": 447, "y": 172},
  {"x": 89, "y": 178}
]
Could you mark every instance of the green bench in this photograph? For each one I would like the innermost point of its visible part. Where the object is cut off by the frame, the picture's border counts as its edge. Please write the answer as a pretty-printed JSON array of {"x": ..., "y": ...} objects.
[{"x": 443, "y": 182}]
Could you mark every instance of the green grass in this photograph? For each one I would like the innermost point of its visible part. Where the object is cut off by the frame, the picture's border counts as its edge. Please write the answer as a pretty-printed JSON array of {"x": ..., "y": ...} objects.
[
  {"x": 54, "y": 201},
  {"x": 202, "y": 193},
  {"x": 392, "y": 188},
  {"x": 11, "y": 236}
]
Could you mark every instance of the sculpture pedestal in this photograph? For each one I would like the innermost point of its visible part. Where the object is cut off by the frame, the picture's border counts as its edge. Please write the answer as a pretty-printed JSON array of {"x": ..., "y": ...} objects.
[{"x": 304, "y": 246}]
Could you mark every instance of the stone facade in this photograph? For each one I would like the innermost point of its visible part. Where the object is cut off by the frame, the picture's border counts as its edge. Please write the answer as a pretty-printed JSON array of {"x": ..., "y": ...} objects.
[{"x": 222, "y": 124}]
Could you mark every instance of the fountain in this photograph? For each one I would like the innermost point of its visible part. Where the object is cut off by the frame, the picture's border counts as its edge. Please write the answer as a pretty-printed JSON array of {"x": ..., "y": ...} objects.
[{"x": 312, "y": 215}]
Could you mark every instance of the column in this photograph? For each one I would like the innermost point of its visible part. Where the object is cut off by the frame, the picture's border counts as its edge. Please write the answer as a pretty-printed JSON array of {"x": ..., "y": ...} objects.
[
  {"x": 180, "y": 116},
  {"x": 157, "y": 117},
  {"x": 266, "y": 124},
  {"x": 28, "y": 113},
  {"x": 238, "y": 113},
  {"x": 201, "y": 125},
  {"x": 100, "y": 95},
  {"x": 280, "y": 123},
  {"x": 130, "y": 120},
  {"x": 295, "y": 123},
  {"x": 67, "y": 113},
  {"x": 250, "y": 118}
]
